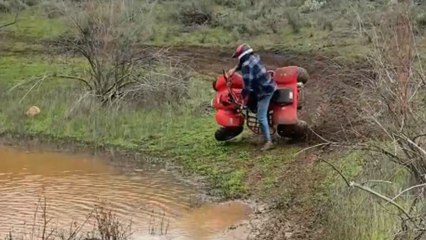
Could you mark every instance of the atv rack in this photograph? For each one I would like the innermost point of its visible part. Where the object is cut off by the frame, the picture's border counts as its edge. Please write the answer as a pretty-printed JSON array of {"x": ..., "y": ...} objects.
[{"x": 253, "y": 123}]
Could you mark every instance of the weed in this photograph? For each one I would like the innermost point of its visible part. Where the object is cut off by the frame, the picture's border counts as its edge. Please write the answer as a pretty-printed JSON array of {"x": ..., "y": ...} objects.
[
  {"x": 294, "y": 21},
  {"x": 106, "y": 226}
]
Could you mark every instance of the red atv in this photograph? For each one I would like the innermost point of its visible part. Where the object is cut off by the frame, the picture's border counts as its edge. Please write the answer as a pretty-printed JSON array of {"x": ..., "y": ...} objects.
[{"x": 232, "y": 114}]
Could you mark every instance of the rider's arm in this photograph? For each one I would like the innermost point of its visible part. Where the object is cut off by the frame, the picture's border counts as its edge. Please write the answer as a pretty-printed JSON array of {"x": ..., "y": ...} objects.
[
  {"x": 248, "y": 77},
  {"x": 235, "y": 69}
]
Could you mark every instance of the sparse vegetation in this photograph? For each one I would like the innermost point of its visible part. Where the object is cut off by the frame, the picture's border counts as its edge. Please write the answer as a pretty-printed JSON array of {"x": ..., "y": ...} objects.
[
  {"x": 100, "y": 224},
  {"x": 91, "y": 68}
]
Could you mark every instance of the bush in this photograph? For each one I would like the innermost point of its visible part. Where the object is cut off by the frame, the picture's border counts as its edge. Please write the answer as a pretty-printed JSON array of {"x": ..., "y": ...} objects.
[
  {"x": 324, "y": 23},
  {"x": 261, "y": 18},
  {"x": 52, "y": 9},
  {"x": 294, "y": 20},
  {"x": 11, "y": 5},
  {"x": 312, "y": 5},
  {"x": 195, "y": 13},
  {"x": 227, "y": 3},
  {"x": 421, "y": 20},
  {"x": 108, "y": 34}
]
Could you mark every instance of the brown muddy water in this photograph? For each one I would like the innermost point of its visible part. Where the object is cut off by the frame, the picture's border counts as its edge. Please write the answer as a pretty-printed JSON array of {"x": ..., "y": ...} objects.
[{"x": 73, "y": 184}]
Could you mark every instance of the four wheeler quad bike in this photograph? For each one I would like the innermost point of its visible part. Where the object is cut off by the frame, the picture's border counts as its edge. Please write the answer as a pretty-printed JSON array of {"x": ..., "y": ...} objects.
[{"x": 286, "y": 101}]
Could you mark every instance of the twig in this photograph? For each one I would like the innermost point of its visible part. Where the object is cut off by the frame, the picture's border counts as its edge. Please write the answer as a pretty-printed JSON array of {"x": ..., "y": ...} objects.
[
  {"x": 338, "y": 171},
  {"x": 78, "y": 229},
  {"x": 78, "y": 79},
  {"x": 322, "y": 138},
  {"x": 28, "y": 92},
  {"x": 34, "y": 222},
  {"x": 369, "y": 190},
  {"x": 311, "y": 147},
  {"x": 377, "y": 181},
  {"x": 11, "y": 23},
  {"x": 409, "y": 189},
  {"x": 387, "y": 199}
]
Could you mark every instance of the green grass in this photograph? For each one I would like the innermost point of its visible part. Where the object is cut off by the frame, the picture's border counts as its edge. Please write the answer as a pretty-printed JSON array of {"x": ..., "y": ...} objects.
[
  {"x": 356, "y": 214},
  {"x": 33, "y": 25},
  {"x": 17, "y": 68}
]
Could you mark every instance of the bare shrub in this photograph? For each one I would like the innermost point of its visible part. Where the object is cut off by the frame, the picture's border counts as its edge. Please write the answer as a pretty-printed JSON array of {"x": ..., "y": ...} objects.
[
  {"x": 11, "y": 5},
  {"x": 312, "y": 5},
  {"x": 195, "y": 13},
  {"x": 392, "y": 102},
  {"x": 228, "y": 3},
  {"x": 421, "y": 20},
  {"x": 108, "y": 37},
  {"x": 248, "y": 17},
  {"x": 105, "y": 226},
  {"x": 293, "y": 19},
  {"x": 108, "y": 227},
  {"x": 168, "y": 83},
  {"x": 52, "y": 8},
  {"x": 393, "y": 97}
]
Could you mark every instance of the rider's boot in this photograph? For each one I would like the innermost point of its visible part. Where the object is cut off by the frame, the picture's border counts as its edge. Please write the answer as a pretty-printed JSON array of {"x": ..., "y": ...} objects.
[{"x": 268, "y": 145}]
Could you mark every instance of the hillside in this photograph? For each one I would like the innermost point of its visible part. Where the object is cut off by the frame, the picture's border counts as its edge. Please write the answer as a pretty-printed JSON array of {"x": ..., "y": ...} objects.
[{"x": 78, "y": 61}]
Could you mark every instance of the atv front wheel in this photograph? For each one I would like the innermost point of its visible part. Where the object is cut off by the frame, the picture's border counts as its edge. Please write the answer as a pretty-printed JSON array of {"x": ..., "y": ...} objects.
[
  {"x": 295, "y": 131},
  {"x": 228, "y": 133}
]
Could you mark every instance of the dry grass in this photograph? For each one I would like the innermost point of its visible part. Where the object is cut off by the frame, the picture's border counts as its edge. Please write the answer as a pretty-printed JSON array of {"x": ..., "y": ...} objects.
[
  {"x": 392, "y": 103},
  {"x": 104, "y": 224}
]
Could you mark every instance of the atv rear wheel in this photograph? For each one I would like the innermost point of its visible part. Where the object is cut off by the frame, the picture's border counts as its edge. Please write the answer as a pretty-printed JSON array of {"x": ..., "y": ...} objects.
[
  {"x": 228, "y": 133},
  {"x": 302, "y": 75},
  {"x": 295, "y": 131}
]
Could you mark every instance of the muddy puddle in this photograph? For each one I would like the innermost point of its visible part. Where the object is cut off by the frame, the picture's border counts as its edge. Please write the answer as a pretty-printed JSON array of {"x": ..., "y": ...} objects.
[{"x": 158, "y": 205}]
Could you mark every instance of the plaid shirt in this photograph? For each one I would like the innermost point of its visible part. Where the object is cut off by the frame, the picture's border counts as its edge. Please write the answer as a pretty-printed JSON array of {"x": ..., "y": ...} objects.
[{"x": 255, "y": 76}]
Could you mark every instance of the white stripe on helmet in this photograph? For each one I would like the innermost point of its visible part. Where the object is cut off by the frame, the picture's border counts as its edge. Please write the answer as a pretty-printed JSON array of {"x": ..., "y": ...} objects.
[{"x": 250, "y": 50}]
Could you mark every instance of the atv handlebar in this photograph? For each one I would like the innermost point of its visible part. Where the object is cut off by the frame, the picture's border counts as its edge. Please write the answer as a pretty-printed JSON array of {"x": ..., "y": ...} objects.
[{"x": 232, "y": 96}]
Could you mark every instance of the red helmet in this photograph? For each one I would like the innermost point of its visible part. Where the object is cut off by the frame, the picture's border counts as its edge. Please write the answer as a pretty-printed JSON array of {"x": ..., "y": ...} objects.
[{"x": 242, "y": 50}]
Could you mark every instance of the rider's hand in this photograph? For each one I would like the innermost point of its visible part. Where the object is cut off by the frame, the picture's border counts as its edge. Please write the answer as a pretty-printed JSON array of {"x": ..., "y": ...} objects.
[{"x": 232, "y": 71}]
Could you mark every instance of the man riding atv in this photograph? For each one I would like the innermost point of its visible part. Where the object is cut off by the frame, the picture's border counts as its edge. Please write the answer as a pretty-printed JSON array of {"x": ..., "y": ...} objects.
[{"x": 257, "y": 83}]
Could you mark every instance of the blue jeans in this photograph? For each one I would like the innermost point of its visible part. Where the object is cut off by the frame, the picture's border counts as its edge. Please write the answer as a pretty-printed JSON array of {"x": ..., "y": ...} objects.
[{"x": 262, "y": 116}]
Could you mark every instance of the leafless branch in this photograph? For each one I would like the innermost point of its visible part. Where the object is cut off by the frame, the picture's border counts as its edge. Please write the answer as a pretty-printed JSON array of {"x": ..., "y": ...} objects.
[
  {"x": 409, "y": 189},
  {"x": 369, "y": 190},
  {"x": 348, "y": 183},
  {"x": 85, "y": 82},
  {"x": 11, "y": 23}
]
